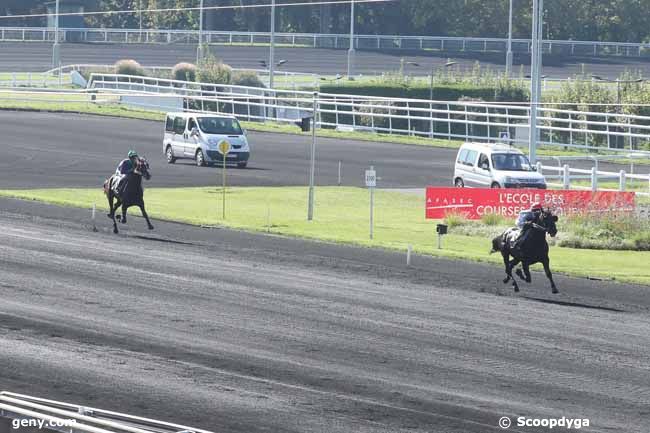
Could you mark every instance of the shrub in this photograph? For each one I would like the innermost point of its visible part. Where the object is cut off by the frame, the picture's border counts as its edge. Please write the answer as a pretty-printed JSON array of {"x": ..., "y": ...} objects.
[
  {"x": 184, "y": 72},
  {"x": 247, "y": 78},
  {"x": 493, "y": 219},
  {"x": 129, "y": 67},
  {"x": 453, "y": 219},
  {"x": 214, "y": 71}
]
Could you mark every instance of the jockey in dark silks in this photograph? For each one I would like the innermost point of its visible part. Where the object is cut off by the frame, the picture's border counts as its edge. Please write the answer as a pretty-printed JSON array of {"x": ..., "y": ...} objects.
[
  {"x": 524, "y": 222},
  {"x": 124, "y": 168}
]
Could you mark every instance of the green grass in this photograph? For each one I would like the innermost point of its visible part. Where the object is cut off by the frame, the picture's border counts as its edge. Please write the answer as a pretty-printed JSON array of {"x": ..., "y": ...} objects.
[{"x": 341, "y": 216}]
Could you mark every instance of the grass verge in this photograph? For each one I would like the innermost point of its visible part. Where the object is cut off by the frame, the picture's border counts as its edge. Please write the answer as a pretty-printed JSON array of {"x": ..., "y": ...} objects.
[{"x": 341, "y": 216}]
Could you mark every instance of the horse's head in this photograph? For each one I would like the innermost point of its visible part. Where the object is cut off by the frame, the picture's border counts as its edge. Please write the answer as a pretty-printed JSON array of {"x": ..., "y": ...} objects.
[
  {"x": 547, "y": 220},
  {"x": 142, "y": 167}
]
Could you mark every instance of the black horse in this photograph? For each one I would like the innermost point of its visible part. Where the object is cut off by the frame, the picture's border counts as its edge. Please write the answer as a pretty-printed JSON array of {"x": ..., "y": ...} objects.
[
  {"x": 131, "y": 194},
  {"x": 534, "y": 249}
]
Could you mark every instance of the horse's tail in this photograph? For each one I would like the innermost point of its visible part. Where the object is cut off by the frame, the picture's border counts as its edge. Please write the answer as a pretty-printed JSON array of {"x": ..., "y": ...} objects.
[
  {"x": 107, "y": 186},
  {"x": 497, "y": 244}
]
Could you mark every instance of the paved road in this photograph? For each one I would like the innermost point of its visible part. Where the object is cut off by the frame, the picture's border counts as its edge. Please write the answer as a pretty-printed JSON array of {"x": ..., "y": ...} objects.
[
  {"x": 63, "y": 150},
  {"x": 245, "y": 333},
  {"x": 36, "y": 56}
]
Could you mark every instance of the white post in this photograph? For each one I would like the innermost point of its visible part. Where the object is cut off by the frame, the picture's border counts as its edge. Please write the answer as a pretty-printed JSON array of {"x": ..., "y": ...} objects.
[
  {"x": 312, "y": 165},
  {"x": 594, "y": 179},
  {"x": 509, "y": 52},
  {"x": 351, "y": 50},
  {"x": 339, "y": 183},
  {"x": 56, "y": 52},
  {"x": 272, "y": 49},
  {"x": 94, "y": 212},
  {"x": 199, "y": 49},
  {"x": 566, "y": 179},
  {"x": 621, "y": 180},
  {"x": 409, "y": 250}
]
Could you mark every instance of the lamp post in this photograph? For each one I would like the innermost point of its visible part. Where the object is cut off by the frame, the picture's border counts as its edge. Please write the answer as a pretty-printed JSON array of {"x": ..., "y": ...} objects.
[
  {"x": 199, "y": 49},
  {"x": 351, "y": 50},
  {"x": 272, "y": 49},
  {"x": 535, "y": 82},
  {"x": 447, "y": 65},
  {"x": 509, "y": 52},
  {"x": 56, "y": 51}
]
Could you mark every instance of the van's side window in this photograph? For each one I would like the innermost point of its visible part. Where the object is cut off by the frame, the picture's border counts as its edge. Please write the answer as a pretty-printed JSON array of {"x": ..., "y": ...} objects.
[
  {"x": 470, "y": 159},
  {"x": 169, "y": 124},
  {"x": 461, "y": 156},
  {"x": 191, "y": 125},
  {"x": 483, "y": 160},
  {"x": 179, "y": 125}
]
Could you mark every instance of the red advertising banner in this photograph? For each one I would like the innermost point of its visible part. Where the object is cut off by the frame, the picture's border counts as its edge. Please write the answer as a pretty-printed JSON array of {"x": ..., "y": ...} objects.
[{"x": 476, "y": 202}]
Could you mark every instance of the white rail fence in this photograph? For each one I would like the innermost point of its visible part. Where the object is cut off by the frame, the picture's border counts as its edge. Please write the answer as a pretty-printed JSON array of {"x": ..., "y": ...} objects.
[
  {"x": 66, "y": 417},
  {"x": 315, "y": 40},
  {"x": 565, "y": 176},
  {"x": 436, "y": 119}
]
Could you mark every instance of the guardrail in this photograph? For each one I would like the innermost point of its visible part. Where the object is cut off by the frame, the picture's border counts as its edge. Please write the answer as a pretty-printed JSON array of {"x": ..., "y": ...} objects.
[
  {"x": 316, "y": 40},
  {"x": 33, "y": 79},
  {"x": 435, "y": 119},
  {"x": 566, "y": 175},
  {"x": 68, "y": 417}
]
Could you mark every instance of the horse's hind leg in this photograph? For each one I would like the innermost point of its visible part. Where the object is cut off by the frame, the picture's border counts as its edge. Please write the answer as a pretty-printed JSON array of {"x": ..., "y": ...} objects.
[
  {"x": 506, "y": 262},
  {"x": 146, "y": 217},
  {"x": 124, "y": 209},
  {"x": 510, "y": 266},
  {"x": 111, "y": 210},
  {"x": 549, "y": 275}
]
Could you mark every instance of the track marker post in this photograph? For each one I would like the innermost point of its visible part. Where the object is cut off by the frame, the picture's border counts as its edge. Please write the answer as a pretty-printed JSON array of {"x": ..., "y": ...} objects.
[
  {"x": 409, "y": 250},
  {"x": 94, "y": 214}
]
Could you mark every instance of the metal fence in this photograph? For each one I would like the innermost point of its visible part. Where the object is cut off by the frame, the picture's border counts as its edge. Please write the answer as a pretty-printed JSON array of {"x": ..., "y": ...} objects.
[
  {"x": 435, "y": 119},
  {"x": 66, "y": 417},
  {"x": 315, "y": 40}
]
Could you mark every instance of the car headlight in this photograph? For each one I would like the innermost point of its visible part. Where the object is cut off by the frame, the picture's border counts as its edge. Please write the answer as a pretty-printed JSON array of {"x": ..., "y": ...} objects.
[{"x": 509, "y": 179}]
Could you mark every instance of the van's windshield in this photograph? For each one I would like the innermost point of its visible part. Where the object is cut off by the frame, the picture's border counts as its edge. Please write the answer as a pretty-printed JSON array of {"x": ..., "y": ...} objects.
[
  {"x": 219, "y": 125},
  {"x": 510, "y": 162}
]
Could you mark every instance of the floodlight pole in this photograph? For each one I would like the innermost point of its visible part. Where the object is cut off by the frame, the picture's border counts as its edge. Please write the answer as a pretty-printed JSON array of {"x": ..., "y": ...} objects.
[
  {"x": 56, "y": 51},
  {"x": 535, "y": 82},
  {"x": 199, "y": 49},
  {"x": 351, "y": 50},
  {"x": 272, "y": 51},
  {"x": 509, "y": 52},
  {"x": 312, "y": 163}
]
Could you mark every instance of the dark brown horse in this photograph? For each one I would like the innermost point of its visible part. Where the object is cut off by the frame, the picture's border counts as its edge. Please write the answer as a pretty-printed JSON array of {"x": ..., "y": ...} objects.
[
  {"x": 131, "y": 194},
  {"x": 534, "y": 249}
]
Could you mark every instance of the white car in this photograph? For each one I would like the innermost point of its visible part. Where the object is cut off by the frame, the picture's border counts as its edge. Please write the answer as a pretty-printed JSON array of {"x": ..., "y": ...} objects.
[
  {"x": 487, "y": 165},
  {"x": 197, "y": 137}
]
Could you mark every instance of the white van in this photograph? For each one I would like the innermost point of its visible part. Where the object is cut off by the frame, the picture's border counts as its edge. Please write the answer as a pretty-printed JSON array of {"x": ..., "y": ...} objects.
[
  {"x": 197, "y": 137},
  {"x": 487, "y": 165}
]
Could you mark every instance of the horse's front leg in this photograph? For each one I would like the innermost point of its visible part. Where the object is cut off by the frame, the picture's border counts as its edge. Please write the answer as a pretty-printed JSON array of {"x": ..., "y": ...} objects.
[
  {"x": 549, "y": 275},
  {"x": 146, "y": 217},
  {"x": 124, "y": 209},
  {"x": 526, "y": 273},
  {"x": 510, "y": 267}
]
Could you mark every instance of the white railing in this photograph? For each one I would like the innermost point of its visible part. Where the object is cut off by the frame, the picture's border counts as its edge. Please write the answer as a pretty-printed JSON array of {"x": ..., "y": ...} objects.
[
  {"x": 567, "y": 175},
  {"x": 436, "y": 119},
  {"x": 342, "y": 41},
  {"x": 33, "y": 79},
  {"x": 73, "y": 417}
]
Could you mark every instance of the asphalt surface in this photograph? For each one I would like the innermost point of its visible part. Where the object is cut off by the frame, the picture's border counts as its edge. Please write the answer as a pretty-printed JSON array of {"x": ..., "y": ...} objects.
[
  {"x": 237, "y": 332},
  {"x": 42, "y": 150},
  {"x": 247, "y": 333},
  {"x": 36, "y": 56}
]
